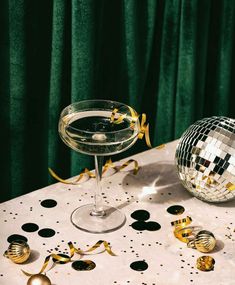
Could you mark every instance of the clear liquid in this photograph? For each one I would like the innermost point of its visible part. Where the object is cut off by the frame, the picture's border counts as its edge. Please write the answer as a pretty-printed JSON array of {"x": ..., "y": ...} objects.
[
  {"x": 98, "y": 124},
  {"x": 93, "y": 133}
]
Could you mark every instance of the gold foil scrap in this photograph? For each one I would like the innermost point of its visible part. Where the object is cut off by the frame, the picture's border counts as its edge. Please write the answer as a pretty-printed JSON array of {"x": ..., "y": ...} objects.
[{"x": 205, "y": 263}]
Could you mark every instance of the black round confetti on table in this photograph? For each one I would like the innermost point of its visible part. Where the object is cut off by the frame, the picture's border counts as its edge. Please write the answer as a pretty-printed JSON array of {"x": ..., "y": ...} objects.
[
  {"x": 175, "y": 210},
  {"x": 46, "y": 232},
  {"x": 61, "y": 255},
  {"x": 139, "y": 225},
  {"x": 48, "y": 203},
  {"x": 30, "y": 227},
  {"x": 83, "y": 265},
  {"x": 152, "y": 226},
  {"x": 140, "y": 215},
  {"x": 14, "y": 237},
  {"x": 139, "y": 265}
]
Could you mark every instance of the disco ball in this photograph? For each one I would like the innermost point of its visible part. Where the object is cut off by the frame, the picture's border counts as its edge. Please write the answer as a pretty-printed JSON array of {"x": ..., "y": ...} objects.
[{"x": 205, "y": 159}]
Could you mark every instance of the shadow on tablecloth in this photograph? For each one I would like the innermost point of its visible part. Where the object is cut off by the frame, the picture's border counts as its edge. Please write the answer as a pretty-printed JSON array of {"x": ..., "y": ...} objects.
[
  {"x": 156, "y": 183},
  {"x": 159, "y": 183}
]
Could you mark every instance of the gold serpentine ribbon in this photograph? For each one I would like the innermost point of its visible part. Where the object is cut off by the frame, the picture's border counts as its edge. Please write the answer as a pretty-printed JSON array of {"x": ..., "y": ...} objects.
[
  {"x": 182, "y": 231},
  {"x": 86, "y": 171},
  {"x": 143, "y": 126},
  {"x": 57, "y": 258}
]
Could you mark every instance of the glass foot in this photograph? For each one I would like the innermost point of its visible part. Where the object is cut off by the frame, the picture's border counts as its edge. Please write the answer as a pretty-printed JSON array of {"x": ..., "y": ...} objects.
[{"x": 112, "y": 220}]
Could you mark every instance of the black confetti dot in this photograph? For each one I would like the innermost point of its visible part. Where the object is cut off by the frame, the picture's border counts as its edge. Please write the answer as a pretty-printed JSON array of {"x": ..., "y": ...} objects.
[
  {"x": 82, "y": 265},
  {"x": 139, "y": 265},
  {"x": 14, "y": 237},
  {"x": 139, "y": 225},
  {"x": 175, "y": 210},
  {"x": 30, "y": 227},
  {"x": 48, "y": 203},
  {"x": 152, "y": 226},
  {"x": 140, "y": 215},
  {"x": 61, "y": 255},
  {"x": 46, "y": 232}
]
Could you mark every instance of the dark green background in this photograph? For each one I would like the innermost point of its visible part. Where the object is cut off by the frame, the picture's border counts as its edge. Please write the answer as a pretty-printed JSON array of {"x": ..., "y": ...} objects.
[{"x": 172, "y": 59}]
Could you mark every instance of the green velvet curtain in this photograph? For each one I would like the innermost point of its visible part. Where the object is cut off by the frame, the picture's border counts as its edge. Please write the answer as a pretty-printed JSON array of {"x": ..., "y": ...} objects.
[{"x": 172, "y": 59}]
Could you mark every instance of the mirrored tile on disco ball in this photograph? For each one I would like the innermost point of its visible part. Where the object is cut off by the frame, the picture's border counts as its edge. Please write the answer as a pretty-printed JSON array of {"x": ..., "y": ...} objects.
[{"x": 203, "y": 158}]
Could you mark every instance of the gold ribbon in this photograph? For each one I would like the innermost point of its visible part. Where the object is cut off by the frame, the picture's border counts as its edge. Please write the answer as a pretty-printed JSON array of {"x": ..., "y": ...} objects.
[
  {"x": 86, "y": 171},
  {"x": 181, "y": 231},
  {"x": 182, "y": 222},
  {"x": 160, "y": 146},
  {"x": 144, "y": 130},
  {"x": 73, "y": 250},
  {"x": 143, "y": 126},
  {"x": 117, "y": 120}
]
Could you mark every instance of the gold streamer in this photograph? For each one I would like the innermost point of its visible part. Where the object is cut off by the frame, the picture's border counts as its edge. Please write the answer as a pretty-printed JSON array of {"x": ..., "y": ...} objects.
[
  {"x": 182, "y": 232},
  {"x": 47, "y": 259},
  {"x": 97, "y": 245},
  {"x": 143, "y": 126},
  {"x": 144, "y": 130},
  {"x": 108, "y": 164},
  {"x": 73, "y": 250},
  {"x": 160, "y": 146},
  {"x": 182, "y": 222}
]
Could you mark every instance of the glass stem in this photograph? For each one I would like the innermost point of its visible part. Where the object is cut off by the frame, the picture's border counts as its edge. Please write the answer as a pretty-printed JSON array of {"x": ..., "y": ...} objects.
[{"x": 98, "y": 206}]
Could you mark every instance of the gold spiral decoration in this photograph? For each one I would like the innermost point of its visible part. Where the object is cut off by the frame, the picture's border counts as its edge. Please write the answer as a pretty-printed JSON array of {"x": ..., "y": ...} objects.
[{"x": 18, "y": 251}]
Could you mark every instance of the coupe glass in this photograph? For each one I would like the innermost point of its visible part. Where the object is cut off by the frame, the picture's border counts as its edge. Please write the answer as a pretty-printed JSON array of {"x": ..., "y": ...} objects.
[{"x": 87, "y": 127}]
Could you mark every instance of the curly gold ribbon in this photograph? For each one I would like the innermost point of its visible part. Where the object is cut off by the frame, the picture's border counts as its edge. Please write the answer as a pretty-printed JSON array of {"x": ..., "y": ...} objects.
[
  {"x": 143, "y": 126},
  {"x": 182, "y": 232},
  {"x": 73, "y": 250},
  {"x": 182, "y": 222},
  {"x": 160, "y": 146},
  {"x": 108, "y": 164},
  {"x": 119, "y": 119},
  {"x": 144, "y": 130}
]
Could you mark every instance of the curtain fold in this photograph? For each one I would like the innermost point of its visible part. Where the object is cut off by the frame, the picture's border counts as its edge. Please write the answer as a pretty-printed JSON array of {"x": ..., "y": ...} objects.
[
  {"x": 60, "y": 82},
  {"x": 172, "y": 59}
]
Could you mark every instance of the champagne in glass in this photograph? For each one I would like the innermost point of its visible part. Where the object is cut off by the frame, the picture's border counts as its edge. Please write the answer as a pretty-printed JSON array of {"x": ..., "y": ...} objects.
[{"x": 87, "y": 127}]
